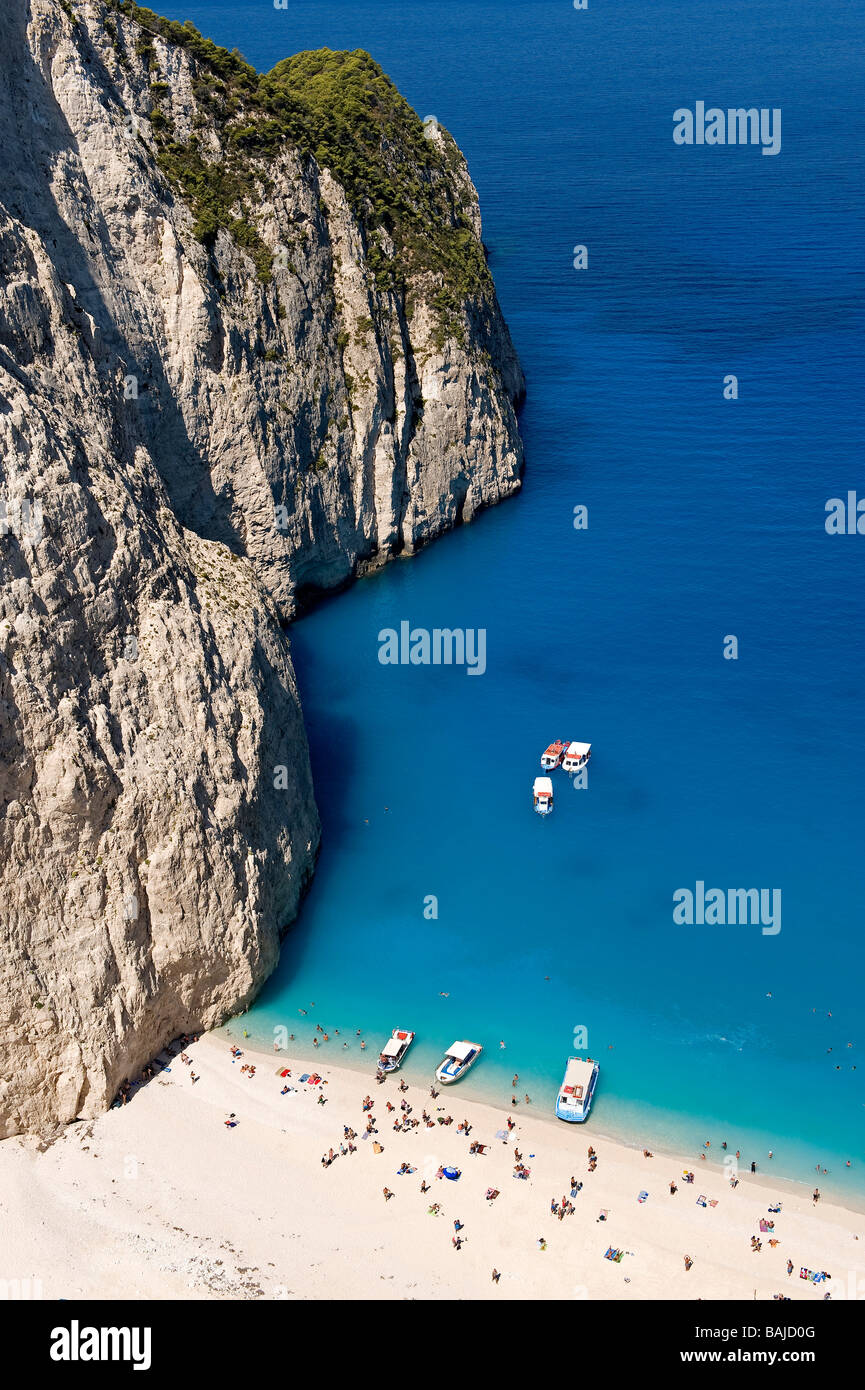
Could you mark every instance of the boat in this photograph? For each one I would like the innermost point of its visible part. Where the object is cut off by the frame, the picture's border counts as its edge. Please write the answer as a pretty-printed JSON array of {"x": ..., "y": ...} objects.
[
  {"x": 552, "y": 756},
  {"x": 576, "y": 757},
  {"x": 542, "y": 791},
  {"x": 457, "y": 1060},
  {"x": 577, "y": 1089},
  {"x": 392, "y": 1054}
]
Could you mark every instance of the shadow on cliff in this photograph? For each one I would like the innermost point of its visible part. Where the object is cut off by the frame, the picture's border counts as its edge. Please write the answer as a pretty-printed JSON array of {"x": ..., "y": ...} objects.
[{"x": 334, "y": 766}]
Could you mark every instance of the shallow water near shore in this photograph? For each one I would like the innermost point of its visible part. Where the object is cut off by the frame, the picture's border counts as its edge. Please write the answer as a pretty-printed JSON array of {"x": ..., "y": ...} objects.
[{"x": 706, "y": 518}]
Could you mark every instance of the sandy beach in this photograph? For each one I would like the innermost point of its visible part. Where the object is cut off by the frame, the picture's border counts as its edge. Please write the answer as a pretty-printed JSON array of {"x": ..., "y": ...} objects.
[{"x": 161, "y": 1199}]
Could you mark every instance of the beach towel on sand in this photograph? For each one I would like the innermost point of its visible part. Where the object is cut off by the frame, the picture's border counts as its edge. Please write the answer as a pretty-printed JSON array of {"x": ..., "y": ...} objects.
[
  {"x": 377, "y": 1148},
  {"x": 615, "y": 1255}
]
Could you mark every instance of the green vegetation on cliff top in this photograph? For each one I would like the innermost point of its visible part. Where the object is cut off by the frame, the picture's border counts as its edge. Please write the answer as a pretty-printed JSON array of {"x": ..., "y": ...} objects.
[{"x": 340, "y": 108}]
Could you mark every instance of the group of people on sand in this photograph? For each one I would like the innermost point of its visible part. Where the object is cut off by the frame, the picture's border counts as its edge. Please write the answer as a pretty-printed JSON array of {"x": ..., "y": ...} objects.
[
  {"x": 562, "y": 1209},
  {"x": 174, "y": 1049},
  {"x": 404, "y": 1121}
]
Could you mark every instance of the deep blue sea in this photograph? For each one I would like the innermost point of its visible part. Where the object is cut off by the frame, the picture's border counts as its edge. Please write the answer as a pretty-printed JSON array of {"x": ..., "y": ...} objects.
[{"x": 705, "y": 519}]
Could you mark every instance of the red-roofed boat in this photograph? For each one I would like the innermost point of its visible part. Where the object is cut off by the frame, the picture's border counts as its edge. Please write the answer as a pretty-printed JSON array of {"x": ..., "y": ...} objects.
[{"x": 552, "y": 756}]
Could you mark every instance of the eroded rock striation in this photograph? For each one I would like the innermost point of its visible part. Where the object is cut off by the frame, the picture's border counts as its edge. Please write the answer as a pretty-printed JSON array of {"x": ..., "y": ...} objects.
[{"x": 249, "y": 349}]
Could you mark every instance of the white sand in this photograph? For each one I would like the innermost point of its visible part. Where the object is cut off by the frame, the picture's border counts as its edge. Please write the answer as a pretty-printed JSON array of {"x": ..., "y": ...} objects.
[{"x": 160, "y": 1199}]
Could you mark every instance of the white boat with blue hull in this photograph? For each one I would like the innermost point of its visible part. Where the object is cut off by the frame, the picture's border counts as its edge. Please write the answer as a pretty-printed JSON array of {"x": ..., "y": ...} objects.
[
  {"x": 394, "y": 1050},
  {"x": 457, "y": 1060},
  {"x": 577, "y": 1090}
]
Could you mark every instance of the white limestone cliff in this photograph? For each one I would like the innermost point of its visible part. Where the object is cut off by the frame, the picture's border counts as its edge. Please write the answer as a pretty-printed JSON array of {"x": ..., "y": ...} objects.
[{"x": 188, "y": 450}]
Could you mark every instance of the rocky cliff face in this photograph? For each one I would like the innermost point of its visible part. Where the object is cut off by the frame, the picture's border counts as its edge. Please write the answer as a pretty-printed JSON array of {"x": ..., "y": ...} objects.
[{"x": 249, "y": 348}]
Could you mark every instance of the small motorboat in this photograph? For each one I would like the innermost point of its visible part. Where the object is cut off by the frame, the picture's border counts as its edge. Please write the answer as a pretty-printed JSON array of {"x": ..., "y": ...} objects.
[
  {"x": 576, "y": 757},
  {"x": 577, "y": 1089},
  {"x": 552, "y": 756},
  {"x": 542, "y": 792},
  {"x": 457, "y": 1060},
  {"x": 392, "y": 1054}
]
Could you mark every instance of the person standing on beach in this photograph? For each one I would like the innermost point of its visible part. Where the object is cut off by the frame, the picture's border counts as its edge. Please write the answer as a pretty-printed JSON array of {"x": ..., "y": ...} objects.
[
  {"x": 816, "y": 1195},
  {"x": 496, "y": 1276},
  {"x": 673, "y": 1189}
]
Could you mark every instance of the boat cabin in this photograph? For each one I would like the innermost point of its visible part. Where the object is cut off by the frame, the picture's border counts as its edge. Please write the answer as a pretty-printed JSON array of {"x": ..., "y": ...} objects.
[
  {"x": 552, "y": 756},
  {"x": 542, "y": 793},
  {"x": 575, "y": 1093},
  {"x": 576, "y": 757},
  {"x": 395, "y": 1049}
]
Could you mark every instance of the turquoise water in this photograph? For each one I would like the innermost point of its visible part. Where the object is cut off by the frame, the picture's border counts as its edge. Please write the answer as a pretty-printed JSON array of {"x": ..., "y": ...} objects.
[{"x": 706, "y": 518}]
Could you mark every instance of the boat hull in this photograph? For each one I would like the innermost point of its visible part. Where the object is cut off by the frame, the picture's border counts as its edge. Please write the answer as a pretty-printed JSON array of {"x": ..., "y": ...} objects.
[
  {"x": 570, "y": 1116},
  {"x": 448, "y": 1080}
]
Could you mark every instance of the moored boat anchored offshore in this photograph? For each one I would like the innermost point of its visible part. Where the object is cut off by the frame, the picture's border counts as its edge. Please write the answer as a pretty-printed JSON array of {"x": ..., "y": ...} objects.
[
  {"x": 542, "y": 791},
  {"x": 394, "y": 1050},
  {"x": 552, "y": 756},
  {"x": 576, "y": 757},
  {"x": 577, "y": 1089},
  {"x": 457, "y": 1060}
]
